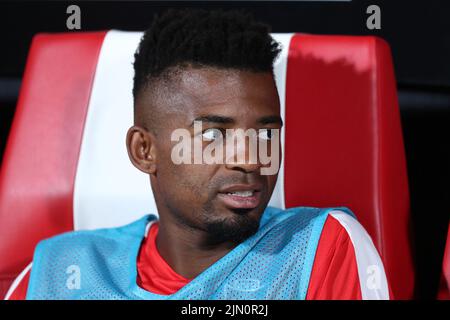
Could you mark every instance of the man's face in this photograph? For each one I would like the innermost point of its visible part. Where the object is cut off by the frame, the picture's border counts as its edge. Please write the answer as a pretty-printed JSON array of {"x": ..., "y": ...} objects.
[{"x": 226, "y": 200}]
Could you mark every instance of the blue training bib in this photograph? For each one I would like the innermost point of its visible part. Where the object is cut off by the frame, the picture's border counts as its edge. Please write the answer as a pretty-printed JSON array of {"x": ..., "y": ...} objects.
[{"x": 274, "y": 263}]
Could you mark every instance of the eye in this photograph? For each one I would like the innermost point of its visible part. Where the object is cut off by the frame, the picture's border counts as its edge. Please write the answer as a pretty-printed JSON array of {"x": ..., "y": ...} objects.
[
  {"x": 265, "y": 134},
  {"x": 211, "y": 134}
]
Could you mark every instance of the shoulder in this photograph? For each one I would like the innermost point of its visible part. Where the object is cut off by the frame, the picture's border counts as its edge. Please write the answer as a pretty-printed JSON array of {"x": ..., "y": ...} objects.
[
  {"x": 276, "y": 216},
  {"x": 67, "y": 253},
  {"x": 347, "y": 264},
  {"x": 353, "y": 233},
  {"x": 296, "y": 219},
  {"x": 83, "y": 237}
]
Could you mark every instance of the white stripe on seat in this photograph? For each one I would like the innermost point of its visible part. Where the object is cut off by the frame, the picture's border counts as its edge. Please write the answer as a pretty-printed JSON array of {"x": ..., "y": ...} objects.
[
  {"x": 280, "y": 67},
  {"x": 109, "y": 191}
]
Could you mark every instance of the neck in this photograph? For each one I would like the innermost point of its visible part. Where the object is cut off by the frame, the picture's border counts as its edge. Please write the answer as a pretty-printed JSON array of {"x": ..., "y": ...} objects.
[{"x": 187, "y": 250}]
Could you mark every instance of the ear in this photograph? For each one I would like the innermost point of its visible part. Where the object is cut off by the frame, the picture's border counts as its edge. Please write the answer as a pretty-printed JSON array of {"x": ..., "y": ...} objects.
[{"x": 142, "y": 149}]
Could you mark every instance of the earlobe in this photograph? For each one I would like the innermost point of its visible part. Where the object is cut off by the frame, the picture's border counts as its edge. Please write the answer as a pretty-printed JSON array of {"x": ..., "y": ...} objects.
[{"x": 141, "y": 149}]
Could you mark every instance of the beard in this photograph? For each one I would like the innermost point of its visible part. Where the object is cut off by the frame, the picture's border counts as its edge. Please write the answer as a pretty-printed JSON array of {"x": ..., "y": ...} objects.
[{"x": 234, "y": 229}]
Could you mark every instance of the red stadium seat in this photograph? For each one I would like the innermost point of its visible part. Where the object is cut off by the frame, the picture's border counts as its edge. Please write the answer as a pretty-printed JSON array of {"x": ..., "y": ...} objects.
[{"x": 65, "y": 166}]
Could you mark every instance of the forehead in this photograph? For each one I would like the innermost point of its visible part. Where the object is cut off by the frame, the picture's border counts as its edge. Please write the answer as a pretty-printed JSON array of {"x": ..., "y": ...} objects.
[{"x": 233, "y": 93}]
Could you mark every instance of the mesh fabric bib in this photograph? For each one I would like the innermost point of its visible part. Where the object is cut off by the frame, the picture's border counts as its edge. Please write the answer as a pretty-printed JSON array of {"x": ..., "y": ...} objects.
[{"x": 274, "y": 263}]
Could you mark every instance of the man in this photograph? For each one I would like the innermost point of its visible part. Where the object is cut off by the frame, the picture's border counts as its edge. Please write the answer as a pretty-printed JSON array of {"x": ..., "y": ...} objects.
[{"x": 215, "y": 237}]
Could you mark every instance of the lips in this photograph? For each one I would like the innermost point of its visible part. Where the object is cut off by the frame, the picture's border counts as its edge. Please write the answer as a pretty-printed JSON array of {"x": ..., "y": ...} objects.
[{"x": 241, "y": 196}]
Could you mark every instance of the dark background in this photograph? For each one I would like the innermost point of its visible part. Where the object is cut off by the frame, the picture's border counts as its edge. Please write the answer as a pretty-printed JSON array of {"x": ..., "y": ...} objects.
[{"x": 417, "y": 31}]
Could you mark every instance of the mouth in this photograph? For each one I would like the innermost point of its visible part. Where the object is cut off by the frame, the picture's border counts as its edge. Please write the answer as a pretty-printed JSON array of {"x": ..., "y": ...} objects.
[{"x": 241, "y": 196}]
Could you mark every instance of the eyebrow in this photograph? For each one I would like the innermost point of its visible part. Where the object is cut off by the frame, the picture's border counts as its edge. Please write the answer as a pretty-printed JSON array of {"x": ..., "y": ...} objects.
[
  {"x": 228, "y": 120},
  {"x": 214, "y": 119},
  {"x": 270, "y": 120}
]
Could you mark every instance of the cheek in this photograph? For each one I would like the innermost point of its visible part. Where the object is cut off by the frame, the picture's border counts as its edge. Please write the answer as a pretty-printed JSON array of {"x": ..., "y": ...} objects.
[
  {"x": 183, "y": 183},
  {"x": 271, "y": 181},
  {"x": 191, "y": 178}
]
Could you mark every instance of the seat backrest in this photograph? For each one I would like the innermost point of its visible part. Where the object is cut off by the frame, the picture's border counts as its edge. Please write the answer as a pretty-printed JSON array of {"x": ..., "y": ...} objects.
[{"x": 66, "y": 167}]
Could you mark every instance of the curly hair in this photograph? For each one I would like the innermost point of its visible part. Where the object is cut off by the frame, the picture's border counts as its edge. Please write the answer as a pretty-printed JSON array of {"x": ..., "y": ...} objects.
[{"x": 199, "y": 38}]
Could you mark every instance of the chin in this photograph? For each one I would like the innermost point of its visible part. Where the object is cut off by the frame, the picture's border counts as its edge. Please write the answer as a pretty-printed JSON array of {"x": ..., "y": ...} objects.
[{"x": 234, "y": 226}]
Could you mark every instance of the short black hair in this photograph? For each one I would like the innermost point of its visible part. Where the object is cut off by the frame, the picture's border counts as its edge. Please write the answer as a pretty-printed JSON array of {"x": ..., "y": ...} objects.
[{"x": 201, "y": 38}]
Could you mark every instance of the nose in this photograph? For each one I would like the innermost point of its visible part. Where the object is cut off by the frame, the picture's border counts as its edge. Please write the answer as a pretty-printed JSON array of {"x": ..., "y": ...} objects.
[
  {"x": 244, "y": 167},
  {"x": 243, "y": 156}
]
